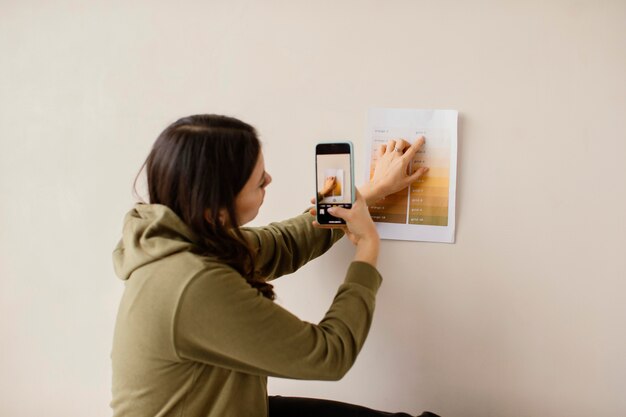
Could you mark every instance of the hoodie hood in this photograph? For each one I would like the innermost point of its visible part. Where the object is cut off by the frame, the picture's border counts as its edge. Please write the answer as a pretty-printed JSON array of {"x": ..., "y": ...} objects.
[{"x": 151, "y": 232}]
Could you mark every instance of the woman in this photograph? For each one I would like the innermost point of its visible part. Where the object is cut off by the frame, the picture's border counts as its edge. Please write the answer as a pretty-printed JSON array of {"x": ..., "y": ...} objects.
[{"x": 197, "y": 332}]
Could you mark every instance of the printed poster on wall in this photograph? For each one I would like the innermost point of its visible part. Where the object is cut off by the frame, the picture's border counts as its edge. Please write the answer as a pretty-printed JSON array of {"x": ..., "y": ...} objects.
[{"x": 424, "y": 211}]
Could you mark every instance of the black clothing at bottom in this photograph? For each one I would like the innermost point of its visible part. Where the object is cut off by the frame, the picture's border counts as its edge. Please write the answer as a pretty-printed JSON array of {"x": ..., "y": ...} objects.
[{"x": 312, "y": 407}]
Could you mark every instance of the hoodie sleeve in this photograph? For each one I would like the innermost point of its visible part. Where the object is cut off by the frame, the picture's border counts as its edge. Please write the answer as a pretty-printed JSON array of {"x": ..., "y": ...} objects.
[
  {"x": 283, "y": 247},
  {"x": 223, "y": 322}
]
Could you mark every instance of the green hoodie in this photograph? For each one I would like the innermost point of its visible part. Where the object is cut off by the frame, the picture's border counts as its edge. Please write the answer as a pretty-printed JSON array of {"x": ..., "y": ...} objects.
[{"x": 193, "y": 338}]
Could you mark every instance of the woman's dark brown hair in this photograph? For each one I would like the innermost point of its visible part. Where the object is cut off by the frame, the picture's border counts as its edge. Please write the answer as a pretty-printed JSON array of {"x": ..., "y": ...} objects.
[{"x": 198, "y": 165}]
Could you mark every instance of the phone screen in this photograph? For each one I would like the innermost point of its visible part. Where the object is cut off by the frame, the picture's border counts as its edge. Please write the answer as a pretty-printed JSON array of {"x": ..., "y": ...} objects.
[{"x": 334, "y": 173}]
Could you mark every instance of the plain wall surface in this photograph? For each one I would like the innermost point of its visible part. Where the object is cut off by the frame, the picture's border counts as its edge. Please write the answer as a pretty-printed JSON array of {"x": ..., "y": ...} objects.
[{"x": 523, "y": 316}]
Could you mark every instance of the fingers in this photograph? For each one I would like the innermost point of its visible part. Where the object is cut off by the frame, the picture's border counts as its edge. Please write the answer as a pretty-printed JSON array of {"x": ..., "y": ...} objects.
[
  {"x": 339, "y": 212},
  {"x": 319, "y": 226},
  {"x": 410, "y": 153},
  {"x": 417, "y": 174},
  {"x": 391, "y": 145},
  {"x": 396, "y": 146},
  {"x": 344, "y": 213},
  {"x": 401, "y": 145}
]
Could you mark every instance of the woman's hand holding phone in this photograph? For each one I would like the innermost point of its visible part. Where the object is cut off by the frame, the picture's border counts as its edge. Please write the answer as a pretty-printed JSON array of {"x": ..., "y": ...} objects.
[{"x": 360, "y": 229}]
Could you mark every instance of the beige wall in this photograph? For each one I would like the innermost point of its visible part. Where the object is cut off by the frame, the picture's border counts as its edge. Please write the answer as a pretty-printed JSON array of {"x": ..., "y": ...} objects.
[{"x": 523, "y": 316}]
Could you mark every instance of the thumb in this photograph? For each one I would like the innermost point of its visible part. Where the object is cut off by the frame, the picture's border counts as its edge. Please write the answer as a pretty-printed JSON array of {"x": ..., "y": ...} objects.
[
  {"x": 417, "y": 174},
  {"x": 338, "y": 212}
]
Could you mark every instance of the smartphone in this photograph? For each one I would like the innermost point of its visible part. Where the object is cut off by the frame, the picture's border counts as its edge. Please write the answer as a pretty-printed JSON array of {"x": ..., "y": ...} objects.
[{"x": 334, "y": 175}]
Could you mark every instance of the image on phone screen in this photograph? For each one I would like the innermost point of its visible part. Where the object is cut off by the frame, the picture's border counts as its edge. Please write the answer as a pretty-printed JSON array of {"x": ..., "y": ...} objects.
[{"x": 334, "y": 177}]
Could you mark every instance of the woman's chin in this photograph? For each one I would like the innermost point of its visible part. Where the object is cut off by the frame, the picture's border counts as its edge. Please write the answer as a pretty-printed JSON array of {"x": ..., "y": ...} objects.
[{"x": 243, "y": 222}]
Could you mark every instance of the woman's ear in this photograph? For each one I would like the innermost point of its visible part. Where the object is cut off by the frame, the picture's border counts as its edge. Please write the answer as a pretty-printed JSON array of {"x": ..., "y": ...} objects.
[
  {"x": 207, "y": 215},
  {"x": 222, "y": 216}
]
